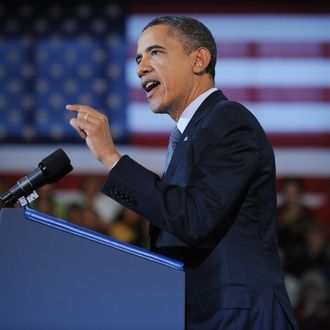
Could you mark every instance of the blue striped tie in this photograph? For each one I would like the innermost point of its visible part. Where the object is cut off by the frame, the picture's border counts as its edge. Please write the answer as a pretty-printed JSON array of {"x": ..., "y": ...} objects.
[{"x": 173, "y": 141}]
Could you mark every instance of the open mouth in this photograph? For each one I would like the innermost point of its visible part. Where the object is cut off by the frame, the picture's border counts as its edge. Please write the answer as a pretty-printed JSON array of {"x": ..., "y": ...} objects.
[{"x": 150, "y": 85}]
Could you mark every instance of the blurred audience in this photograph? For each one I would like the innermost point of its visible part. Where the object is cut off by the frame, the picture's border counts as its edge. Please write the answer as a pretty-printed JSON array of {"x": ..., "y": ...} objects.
[
  {"x": 46, "y": 201},
  {"x": 85, "y": 217},
  {"x": 293, "y": 216},
  {"x": 74, "y": 213},
  {"x": 323, "y": 211},
  {"x": 305, "y": 252},
  {"x": 314, "y": 248},
  {"x": 95, "y": 211},
  {"x": 106, "y": 208},
  {"x": 131, "y": 228},
  {"x": 293, "y": 219},
  {"x": 313, "y": 308},
  {"x": 90, "y": 219}
]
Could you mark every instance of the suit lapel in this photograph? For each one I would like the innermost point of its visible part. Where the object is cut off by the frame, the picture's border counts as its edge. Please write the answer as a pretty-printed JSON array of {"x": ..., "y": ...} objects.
[{"x": 182, "y": 146}]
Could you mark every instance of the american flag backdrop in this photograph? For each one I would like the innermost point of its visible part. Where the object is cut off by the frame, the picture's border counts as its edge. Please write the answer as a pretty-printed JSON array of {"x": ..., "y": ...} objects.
[
  {"x": 59, "y": 53},
  {"x": 278, "y": 66}
]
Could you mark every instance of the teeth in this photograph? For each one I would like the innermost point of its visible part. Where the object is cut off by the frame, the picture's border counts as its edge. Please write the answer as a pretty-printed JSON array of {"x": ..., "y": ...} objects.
[
  {"x": 150, "y": 83},
  {"x": 148, "y": 86}
]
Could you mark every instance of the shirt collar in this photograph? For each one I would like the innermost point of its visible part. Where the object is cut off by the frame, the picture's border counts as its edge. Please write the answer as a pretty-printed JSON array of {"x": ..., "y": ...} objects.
[{"x": 190, "y": 110}]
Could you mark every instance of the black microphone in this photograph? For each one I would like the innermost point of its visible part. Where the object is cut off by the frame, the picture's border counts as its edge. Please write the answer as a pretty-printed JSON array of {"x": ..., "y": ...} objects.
[{"x": 50, "y": 170}]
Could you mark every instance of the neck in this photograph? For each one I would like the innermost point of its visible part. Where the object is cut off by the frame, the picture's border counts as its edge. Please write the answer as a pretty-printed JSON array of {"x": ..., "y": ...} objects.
[{"x": 175, "y": 114}]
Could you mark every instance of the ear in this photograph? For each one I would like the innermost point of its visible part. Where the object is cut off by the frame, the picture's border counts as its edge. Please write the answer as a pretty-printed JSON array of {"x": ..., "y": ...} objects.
[{"x": 202, "y": 60}]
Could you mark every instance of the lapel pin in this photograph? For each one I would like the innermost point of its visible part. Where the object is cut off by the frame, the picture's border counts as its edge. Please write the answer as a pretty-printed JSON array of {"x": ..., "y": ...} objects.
[{"x": 186, "y": 138}]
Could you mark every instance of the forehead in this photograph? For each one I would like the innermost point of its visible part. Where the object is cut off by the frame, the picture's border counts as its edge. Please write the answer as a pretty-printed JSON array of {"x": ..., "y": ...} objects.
[{"x": 157, "y": 35}]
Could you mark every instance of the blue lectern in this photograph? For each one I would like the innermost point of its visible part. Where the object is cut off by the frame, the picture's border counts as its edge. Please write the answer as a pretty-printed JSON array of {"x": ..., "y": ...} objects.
[{"x": 55, "y": 275}]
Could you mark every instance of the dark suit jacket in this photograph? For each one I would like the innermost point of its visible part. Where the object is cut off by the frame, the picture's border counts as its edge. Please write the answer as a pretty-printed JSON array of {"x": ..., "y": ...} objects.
[{"x": 215, "y": 210}]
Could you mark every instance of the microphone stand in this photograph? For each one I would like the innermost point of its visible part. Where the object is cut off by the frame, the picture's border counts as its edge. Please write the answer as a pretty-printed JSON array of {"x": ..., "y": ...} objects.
[
  {"x": 26, "y": 201},
  {"x": 22, "y": 201}
]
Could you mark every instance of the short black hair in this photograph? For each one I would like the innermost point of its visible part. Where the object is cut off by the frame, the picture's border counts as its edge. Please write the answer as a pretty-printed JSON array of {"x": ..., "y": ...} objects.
[{"x": 195, "y": 35}]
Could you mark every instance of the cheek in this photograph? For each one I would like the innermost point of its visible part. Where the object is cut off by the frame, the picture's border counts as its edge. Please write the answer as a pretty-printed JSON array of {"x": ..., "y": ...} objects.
[
  {"x": 174, "y": 77},
  {"x": 167, "y": 80}
]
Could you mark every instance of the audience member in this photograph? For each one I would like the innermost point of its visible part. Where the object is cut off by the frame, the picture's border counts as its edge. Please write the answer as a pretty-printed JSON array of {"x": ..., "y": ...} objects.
[
  {"x": 310, "y": 254},
  {"x": 313, "y": 309},
  {"x": 326, "y": 266},
  {"x": 74, "y": 213},
  {"x": 106, "y": 209},
  {"x": 85, "y": 217},
  {"x": 315, "y": 243},
  {"x": 322, "y": 213},
  {"x": 91, "y": 220},
  {"x": 305, "y": 252},
  {"x": 293, "y": 215},
  {"x": 46, "y": 202},
  {"x": 131, "y": 228},
  {"x": 293, "y": 219}
]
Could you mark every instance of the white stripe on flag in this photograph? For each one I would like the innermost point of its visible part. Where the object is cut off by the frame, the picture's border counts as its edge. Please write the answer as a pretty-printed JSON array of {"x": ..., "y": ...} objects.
[
  {"x": 261, "y": 72},
  {"x": 251, "y": 27},
  {"x": 280, "y": 117},
  {"x": 141, "y": 119},
  {"x": 306, "y": 162},
  {"x": 275, "y": 117}
]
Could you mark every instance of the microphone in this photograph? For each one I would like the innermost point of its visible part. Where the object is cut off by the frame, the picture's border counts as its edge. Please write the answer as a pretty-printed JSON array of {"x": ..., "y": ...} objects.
[{"x": 50, "y": 170}]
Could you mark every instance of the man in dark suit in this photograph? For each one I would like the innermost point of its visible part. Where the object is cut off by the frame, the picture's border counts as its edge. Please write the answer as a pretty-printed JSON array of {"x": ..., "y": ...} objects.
[{"x": 214, "y": 209}]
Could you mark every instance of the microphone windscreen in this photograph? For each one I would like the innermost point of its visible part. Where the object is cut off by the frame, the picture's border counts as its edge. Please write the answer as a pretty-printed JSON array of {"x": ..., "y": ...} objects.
[{"x": 55, "y": 166}]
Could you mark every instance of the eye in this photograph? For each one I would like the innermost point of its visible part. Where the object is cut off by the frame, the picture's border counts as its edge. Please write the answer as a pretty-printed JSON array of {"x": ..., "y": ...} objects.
[{"x": 154, "y": 52}]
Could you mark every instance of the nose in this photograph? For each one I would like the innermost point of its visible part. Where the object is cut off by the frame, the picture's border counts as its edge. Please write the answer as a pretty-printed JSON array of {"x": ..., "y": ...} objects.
[{"x": 144, "y": 67}]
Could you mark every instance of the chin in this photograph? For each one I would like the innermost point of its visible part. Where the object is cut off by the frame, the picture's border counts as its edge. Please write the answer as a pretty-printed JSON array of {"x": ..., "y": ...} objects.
[{"x": 157, "y": 109}]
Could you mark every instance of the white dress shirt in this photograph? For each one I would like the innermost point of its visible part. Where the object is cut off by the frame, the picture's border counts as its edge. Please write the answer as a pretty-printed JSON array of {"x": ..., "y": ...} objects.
[{"x": 190, "y": 110}]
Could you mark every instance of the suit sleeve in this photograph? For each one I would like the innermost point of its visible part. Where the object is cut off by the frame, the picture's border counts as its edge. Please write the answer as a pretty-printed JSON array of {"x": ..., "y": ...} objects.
[{"x": 224, "y": 160}]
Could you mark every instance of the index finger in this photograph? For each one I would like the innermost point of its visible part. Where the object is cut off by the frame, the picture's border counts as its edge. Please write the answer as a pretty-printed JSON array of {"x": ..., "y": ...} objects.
[{"x": 78, "y": 107}]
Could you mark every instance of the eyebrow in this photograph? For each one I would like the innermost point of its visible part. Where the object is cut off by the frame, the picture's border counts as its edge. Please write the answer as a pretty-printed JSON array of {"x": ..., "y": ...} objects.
[{"x": 148, "y": 50}]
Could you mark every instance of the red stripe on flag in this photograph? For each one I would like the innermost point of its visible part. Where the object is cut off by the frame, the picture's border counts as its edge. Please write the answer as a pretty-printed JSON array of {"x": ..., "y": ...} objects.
[
  {"x": 150, "y": 139},
  {"x": 287, "y": 140},
  {"x": 279, "y": 94},
  {"x": 300, "y": 140},
  {"x": 273, "y": 49},
  {"x": 265, "y": 49}
]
